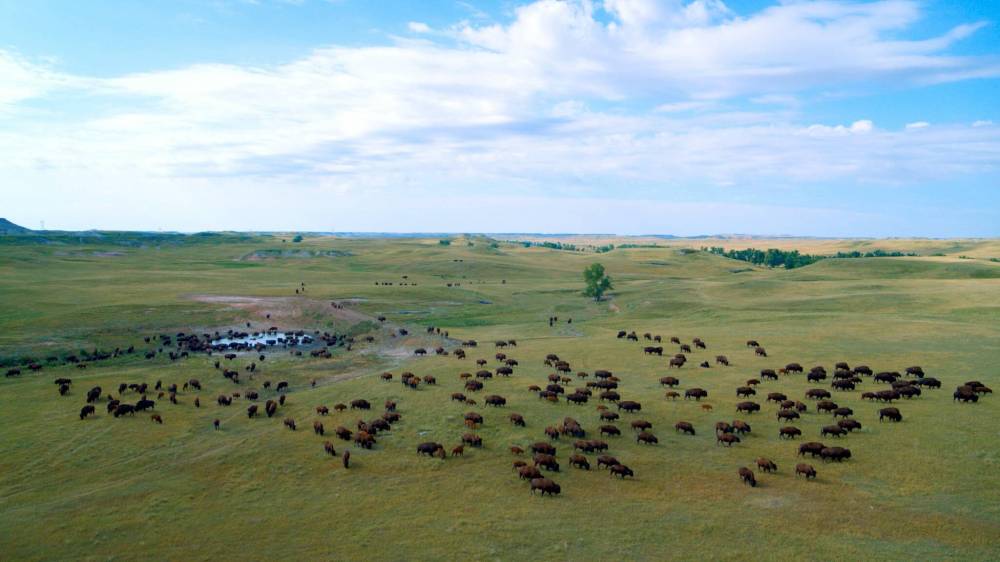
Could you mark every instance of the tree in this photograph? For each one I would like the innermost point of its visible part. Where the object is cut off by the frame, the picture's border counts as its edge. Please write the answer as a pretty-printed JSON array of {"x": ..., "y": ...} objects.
[
  {"x": 298, "y": 238},
  {"x": 597, "y": 282},
  {"x": 444, "y": 242}
]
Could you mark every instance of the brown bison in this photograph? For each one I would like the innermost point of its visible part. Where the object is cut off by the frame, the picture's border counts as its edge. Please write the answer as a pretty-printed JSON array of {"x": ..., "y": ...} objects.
[
  {"x": 727, "y": 439},
  {"x": 892, "y": 414},
  {"x": 579, "y": 461},
  {"x": 696, "y": 393},
  {"x": 837, "y": 454},
  {"x": 789, "y": 432},
  {"x": 812, "y": 448},
  {"x": 86, "y": 411},
  {"x": 621, "y": 471},
  {"x": 526, "y": 472},
  {"x": 806, "y": 470},
  {"x": 746, "y": 476},
  {"x": 684, "y": 427},
  {"x": 647, "y": 438},
  {"x": 766, "y": 465},
  {"x": 545, "y": 486}
]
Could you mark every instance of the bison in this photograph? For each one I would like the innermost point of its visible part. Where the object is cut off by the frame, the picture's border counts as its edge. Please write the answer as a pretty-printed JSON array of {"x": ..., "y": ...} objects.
[
  {"x": 746, "y": 475},
  {"x": 545, "y": 486}
]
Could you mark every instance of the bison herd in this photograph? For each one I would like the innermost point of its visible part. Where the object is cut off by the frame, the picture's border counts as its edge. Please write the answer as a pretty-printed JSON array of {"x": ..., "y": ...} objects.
[{"x": 565, "y": 385}]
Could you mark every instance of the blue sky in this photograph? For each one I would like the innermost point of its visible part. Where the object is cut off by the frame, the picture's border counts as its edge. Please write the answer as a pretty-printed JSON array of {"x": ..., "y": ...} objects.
[{"x": 835, "y": 118}]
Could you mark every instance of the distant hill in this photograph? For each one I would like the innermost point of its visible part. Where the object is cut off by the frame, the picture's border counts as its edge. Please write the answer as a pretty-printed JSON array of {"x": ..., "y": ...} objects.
[{"x": 7, "y": 227}]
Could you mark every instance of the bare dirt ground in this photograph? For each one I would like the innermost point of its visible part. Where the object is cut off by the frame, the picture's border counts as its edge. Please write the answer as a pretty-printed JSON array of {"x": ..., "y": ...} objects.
[{"x": 283, "y": 308}]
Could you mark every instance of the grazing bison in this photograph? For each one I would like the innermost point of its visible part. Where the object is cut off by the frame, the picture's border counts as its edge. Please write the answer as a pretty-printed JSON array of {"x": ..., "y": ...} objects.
[
  {"x": 843, "y": 385},
  {"x": 826, "y": 406},
  {"x": 543, "y": 447},
  {"x": 745, "y": 392},
  {"x": 806, "y": 470},
  {"x": 621, "y": 471},
  {"x": 837, "y": 454},
  {"x": 579, "y": 461},
  {"x": 360, "y": 404},
  {"x": 647, "y": 438},
  {"x": 610, "y": 430},
  {"x": 526, "y": 472},
  {"x": 329, "y": 448},
  {"x": 812, "y": 448},
  {"x": 684, "y": 427},
  {"x": 156, "y": 418},
  {"x": 833, "y": 430},
  {"x": 748, "y": 407},
  {"x": 216, "y": 423},
  {"x": 495, "y": 400},
  {"x": 760, "y": 352},
  {"x": 696, "y": 393},
  {"x": 849, "y": 424},
  {"x": 472, "y": 440},
  {"x": 892, "y": 414},
  {"x": 289, "y": 423},
  {"x": 746, "y": 475},
  {"x": 517, "y": 419},
  {"x": 606, "y": 461},
  {"x": 669, "y": 382},
  {"x": 545, "y": 486},
  {"x": 641, "y": 425},
  {"x": 766, "y": 465},
  {"x": 86, "y": 411},
  {"x": 546, "y": 461},
  {"x": 251, "y": 411},
  {"x": 789, "y": 432},
  {"x": 318, "y": 428},
  {"x": 630, "y": 406},
  {"x": 843, "y": 412},
  {"x": 726, "y": 438},
  {"x": 787, "y": 415},
  {"x": 741, "y": 427},
  {"x": 124, "y": 409}
]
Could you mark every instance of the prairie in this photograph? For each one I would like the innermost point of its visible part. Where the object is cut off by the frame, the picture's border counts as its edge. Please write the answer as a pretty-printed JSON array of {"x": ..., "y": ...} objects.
[{"x": 106, "y": 488}]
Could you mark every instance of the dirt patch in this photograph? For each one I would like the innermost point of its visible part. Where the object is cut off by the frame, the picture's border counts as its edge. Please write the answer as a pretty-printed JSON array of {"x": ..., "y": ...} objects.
[{"x": 284, "y": 308}]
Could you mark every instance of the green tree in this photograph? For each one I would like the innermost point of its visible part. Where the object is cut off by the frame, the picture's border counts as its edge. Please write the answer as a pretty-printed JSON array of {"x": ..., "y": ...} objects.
[
  {"x": 444, "y": 242},
  {"x": 597, "y": 282},
  {"x": 298, "y": 238}
]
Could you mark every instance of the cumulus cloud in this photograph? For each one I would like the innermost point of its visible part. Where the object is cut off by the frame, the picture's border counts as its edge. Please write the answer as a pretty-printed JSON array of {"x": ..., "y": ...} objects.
[{"x": 570, "y": 95}]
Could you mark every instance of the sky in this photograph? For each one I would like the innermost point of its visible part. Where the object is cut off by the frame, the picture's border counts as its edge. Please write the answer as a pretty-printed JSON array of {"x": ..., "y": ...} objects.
[{"x": 685, "y": 117}]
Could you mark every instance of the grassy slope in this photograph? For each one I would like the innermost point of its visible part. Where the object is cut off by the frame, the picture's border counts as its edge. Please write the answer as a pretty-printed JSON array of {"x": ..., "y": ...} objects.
[{"x": 126, "y": 488}]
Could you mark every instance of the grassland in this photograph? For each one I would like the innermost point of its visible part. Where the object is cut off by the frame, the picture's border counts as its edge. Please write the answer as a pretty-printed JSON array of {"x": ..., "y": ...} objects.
[{"x": 927, "y": 488}]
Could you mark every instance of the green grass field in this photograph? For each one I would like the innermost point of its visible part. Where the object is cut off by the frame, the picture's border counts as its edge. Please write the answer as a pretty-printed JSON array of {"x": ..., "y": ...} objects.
[{"x": 924, "y": 489}]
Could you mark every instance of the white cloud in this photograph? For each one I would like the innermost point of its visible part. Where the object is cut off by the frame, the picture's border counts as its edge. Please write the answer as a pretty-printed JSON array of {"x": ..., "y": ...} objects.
[
  {"x": 418, "y": 27},
  {"x": 917, "y": 125},
  {"x": 982, "y": 123},
  {"x": 556, "y": 99}
]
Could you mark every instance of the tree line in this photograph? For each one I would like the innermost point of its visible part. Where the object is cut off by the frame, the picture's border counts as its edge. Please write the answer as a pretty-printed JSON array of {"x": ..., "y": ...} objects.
[{"x": 790, "y": 259}]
